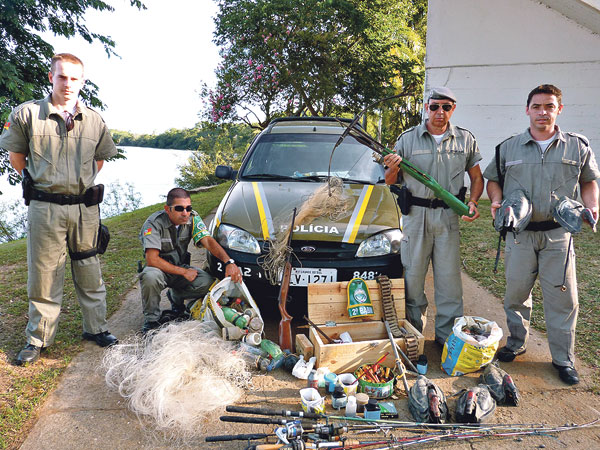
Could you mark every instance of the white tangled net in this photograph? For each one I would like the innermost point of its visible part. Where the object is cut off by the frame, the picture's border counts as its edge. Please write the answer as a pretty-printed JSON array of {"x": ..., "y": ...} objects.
[
  {"x": 177, "y": 376},
  {"x": 328, "y": 200}
]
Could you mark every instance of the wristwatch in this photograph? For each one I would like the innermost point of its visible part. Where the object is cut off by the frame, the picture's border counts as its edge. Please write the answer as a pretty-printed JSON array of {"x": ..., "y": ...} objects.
[{"x": 231, "y": 261}]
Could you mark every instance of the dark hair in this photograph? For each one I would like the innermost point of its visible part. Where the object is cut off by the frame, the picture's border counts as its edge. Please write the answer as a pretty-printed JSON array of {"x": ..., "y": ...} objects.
[
  {"x": 176, "y": 193},
  {"x": 546, "y": 89},
  {"x": 68, "y": 57}
]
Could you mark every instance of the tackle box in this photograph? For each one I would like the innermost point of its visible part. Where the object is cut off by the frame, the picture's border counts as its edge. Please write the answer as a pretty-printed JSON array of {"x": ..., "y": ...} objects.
[{"x": 327, "y": 308}]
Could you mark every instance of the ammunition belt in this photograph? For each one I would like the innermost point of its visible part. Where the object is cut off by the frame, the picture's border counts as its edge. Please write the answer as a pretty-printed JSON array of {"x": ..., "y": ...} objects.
[{"x": 389, "y": 313}]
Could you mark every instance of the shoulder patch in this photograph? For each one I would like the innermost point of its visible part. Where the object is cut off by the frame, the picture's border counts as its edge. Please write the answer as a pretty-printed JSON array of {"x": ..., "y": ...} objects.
[
  {"x": 7, "y": 125},
  {"x": 581, "y": 137},
  {"x": 148, "y": 232}
]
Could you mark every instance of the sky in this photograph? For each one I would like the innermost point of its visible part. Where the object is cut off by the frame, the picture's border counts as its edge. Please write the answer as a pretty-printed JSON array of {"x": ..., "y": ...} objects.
[{"x": 166, "y": 54}]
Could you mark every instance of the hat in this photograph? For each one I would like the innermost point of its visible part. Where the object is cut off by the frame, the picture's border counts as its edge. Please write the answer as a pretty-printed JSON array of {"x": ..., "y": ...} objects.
[{"x": 441, "y": 93}]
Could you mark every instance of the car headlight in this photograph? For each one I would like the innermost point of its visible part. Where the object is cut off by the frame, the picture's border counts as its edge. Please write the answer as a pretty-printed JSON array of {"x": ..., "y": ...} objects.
[
  {"x": 385, "y": 243},
  {"x": 237, "y": 239}
]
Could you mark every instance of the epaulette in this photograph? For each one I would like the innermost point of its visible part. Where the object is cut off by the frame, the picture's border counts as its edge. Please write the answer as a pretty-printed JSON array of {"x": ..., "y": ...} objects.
[
  {"x": 581, "y": 137},
  {"x": 507, "y": 139},
  {"x": 464, "y": 129},
  {"x": 405, "y": 131}
]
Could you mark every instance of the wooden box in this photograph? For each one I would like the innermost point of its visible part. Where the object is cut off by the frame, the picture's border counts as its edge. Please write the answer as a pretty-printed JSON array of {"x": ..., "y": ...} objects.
[{"x": 327, "y": 302}]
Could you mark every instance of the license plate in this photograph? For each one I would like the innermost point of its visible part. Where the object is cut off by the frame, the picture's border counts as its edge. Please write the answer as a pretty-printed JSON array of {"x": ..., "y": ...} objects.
[{"x": 302, "y": 276}]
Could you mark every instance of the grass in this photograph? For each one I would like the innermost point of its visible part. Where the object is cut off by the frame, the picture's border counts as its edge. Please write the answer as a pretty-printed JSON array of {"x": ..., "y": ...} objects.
[
  {"x": 23, "y": 389},
  {"x": 479, "y": 241}
]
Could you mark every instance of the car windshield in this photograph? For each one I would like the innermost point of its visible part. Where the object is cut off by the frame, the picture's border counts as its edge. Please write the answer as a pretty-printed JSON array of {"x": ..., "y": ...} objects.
[{"x": 305, "y": 157}]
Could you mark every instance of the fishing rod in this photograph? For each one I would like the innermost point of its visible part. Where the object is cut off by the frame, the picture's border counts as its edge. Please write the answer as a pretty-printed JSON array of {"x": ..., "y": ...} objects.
[{"x": 386, "y": 422}]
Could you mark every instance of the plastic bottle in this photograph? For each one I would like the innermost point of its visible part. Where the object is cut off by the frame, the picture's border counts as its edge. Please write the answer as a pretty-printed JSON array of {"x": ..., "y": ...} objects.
[
  {"x": 232, "y": 333},
  {"x": 372, "y": 410},
  {"x": 313, "y": 379},
  {"x": 351, "y": 406},
  {"x": 338, "y": 398},
  {"x": 271, "y": 348},
  {"x": 234, "y": 317},
  {"x": 252, "y": 349},
  {"x": 321, "y": 372},
  {"x": 361, "y": 400}
]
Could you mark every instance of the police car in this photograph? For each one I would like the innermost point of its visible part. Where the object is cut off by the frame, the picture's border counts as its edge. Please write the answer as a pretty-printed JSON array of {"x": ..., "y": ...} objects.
[{"x": 282, "y": 167}]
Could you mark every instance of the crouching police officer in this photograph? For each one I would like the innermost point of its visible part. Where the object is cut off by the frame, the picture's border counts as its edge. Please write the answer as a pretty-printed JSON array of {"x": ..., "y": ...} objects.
[
  {"x": 165, "y": 237},
  {"x": 60, "y": 145}
]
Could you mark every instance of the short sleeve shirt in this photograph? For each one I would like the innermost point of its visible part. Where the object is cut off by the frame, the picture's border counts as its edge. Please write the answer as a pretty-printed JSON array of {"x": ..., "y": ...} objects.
[
  {"x": 158, "y": 232},
  {"x": 544, "y": 176},
  {"x": 446, "y": 162},
  {"x": 59, "y": 161}
]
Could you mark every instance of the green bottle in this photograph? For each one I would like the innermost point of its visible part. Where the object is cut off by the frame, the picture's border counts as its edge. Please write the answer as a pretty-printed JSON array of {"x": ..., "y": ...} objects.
[
  {"x": 234, "y": 317},
  {"x": 271, "y": 348}
]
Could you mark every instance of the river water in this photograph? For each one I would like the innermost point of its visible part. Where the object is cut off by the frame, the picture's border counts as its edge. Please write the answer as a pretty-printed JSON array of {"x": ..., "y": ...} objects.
[{"x": 150, "y": 171}]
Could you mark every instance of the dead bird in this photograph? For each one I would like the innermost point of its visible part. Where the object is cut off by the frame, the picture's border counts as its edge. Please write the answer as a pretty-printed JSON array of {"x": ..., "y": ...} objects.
[
  {"x": 475, "y": 405},
  {"x": 501, "y": 385},
  {"x": 427, "y": 402}
]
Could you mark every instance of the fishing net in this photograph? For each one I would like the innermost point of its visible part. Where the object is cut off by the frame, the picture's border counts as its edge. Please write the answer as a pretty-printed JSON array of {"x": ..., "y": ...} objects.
[
  {"x": 177, "y": 376},
  {"x": 328, "y": 200}
]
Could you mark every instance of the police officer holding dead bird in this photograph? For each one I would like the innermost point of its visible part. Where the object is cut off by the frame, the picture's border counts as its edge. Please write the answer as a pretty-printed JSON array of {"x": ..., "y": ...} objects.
[
  {"x": 430, "y": 227},
  {"x": 547, "y": 164},
  {"x": 165, "y": 237},
  {"x": 59, "y": 145}
]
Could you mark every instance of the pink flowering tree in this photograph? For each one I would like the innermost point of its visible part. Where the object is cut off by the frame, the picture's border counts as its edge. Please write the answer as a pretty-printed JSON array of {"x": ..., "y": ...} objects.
[{"x": 313, "y": 57}]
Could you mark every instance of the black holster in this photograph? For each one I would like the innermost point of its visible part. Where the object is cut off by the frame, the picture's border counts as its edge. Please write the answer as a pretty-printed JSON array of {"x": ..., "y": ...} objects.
[
  {"x": 99, "y": 249},
  {"x": 27, "y": 184},
  {"x": 403, "y": 197},
  {"x": 94, "y": 195}
]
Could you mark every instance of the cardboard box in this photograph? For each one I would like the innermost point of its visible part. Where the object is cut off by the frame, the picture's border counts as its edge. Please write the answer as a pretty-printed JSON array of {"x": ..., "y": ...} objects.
[{"x": 327, "y": 302}]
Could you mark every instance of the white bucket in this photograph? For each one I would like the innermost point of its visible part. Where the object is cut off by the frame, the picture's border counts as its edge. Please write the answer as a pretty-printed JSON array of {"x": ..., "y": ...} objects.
[{"x": 312, "y": 400}]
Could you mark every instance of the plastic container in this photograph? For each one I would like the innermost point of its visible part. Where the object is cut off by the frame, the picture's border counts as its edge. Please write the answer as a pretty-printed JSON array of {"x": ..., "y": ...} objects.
[
  {"x": 348, "y": 382},
  {"x": 372, "y": 410},
  {"x": 375, "y": 390},
  {"x": 351, "y": 406},
  {"x": 312, "y": 401},
  {"x": 236, "y": 318},
  {"x": 252, "y": 338},
  {"x": 338, "y": 398},
  {"x": 321, "y": 372},
  {"x": 330, "y": 380},
  {"x": 361, "y": 400},
  {"x": 313, "y": 380},
  {"x": 422, "y": 365}
]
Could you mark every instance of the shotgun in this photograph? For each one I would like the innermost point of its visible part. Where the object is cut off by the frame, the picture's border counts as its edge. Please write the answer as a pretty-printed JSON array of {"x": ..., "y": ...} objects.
[{"x": 285, "y": 325}]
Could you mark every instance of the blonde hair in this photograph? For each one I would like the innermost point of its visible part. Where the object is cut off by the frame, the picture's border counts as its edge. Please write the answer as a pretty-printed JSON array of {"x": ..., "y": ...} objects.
[{"x": 68, "y": 57}]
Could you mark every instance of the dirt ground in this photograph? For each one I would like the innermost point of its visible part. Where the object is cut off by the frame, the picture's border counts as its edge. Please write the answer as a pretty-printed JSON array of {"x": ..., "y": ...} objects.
[{"x": 82, "y": 412}]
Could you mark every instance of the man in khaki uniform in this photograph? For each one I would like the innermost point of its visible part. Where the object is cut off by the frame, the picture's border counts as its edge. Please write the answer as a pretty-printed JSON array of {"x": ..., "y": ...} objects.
[
  {"x": 62, "y": 145},
  {"x": 430, "y": 228},
  {"x": 547, "y": 164},
  {"x": 165, "y": 237}
]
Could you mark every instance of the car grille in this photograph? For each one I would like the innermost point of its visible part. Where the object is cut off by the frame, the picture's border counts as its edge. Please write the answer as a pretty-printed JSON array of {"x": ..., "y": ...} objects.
[{"x": 323, "y": 250}]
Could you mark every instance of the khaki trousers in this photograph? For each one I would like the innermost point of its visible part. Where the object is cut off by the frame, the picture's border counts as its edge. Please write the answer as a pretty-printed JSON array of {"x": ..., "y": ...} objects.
[
  {"x": 153, "y": 281},
  {"x": 432, "y": 236},
  {"x": 51, "y": 228},
  {"x": 542, "y": 254}
]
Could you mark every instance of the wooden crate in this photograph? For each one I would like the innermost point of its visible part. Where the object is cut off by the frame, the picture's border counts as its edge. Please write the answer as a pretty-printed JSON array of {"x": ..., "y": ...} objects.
[{"x": 328, "y": 302}]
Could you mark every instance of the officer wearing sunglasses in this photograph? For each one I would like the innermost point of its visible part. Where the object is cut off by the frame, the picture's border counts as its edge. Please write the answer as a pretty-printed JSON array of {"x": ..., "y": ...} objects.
[
  {"x": 165, "y": 237},
  {"x": 446, "y": 152}
]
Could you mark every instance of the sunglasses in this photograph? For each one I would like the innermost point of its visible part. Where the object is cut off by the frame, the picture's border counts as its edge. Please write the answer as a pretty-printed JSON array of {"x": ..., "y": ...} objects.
[
  {"x": 435, "y": 106},
  {"x": 180, "y": 208},
  {"x": 69, "y": 122}
]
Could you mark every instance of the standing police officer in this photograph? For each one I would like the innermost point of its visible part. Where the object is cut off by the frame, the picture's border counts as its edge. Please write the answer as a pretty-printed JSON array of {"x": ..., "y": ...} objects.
[
  {"x": 59, "y": 146},
  {"x": 430, "y": 228},
  {"x": 547, "y": 164}
]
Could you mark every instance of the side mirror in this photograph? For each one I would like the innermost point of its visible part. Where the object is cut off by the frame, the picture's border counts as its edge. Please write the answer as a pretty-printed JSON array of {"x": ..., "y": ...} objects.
[{"x": 225, "y": 172}]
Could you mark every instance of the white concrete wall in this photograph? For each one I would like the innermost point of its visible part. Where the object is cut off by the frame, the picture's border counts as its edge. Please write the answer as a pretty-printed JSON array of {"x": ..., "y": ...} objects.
[{"x": 491, "y": 53}]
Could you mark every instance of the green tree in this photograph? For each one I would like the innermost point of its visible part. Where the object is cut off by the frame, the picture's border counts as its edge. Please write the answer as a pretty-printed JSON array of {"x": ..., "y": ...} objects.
[
  {"x": 25, "y": 56},
  {"x": 315, "y": 57},
  {"x": 223, "y": 145}
]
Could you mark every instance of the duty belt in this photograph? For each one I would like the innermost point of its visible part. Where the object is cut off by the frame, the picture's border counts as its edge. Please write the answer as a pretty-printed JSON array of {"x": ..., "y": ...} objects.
[
  {"x": 542, "y": 226},
  {"x": 61, "y": 199},
  {"x": 389, "y": 313},
  {"x": 429, "y": 202}
]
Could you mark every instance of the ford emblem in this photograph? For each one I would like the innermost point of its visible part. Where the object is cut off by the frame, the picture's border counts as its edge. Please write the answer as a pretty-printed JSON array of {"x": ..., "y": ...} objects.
[{"x": 308, "y": 249}]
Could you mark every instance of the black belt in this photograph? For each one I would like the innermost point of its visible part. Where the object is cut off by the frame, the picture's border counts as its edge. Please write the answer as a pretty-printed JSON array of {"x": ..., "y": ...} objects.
[
  {"x": 546, "y": 225},
  {"x": 61, "y": 199},
  {"x": 429, "y": 202}
]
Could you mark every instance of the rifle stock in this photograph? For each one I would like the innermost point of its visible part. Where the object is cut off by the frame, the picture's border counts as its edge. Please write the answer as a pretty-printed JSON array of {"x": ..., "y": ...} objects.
[{"x": 285, "y": 325}]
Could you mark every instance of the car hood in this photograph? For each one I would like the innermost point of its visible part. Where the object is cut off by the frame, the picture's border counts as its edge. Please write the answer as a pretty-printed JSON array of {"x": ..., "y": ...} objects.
[{"x": 264, "y": 208}]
